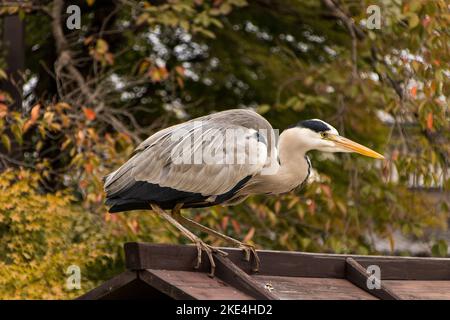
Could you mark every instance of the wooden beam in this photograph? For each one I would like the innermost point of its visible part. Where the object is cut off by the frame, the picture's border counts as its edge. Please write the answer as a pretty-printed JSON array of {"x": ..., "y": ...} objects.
[
  {"x": 234, "y": 276},
  {"x": 357, "y": 274},
  {"x": 282, "y": 263},
  {"x": 183, "y": 258}
]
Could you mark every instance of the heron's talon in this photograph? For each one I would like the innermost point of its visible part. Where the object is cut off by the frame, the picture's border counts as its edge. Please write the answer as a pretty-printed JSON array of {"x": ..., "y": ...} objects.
[
  {"x": 201, "y": 246},
  {"x": 248, "y": 251}
]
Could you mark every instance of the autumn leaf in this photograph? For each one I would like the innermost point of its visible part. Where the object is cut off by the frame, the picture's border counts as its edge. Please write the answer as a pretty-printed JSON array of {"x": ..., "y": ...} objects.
[
  {"x": 326, "y": 189},
  {"x": 179, "y": 70},
  {"x": 413, "y": 91},
  {"x": 430, "y": 121},
  {"x": 88, "y": 40},
  {"x": 236, "y": 226},
  {"x": 3, "y": 74},
  {"x": 101, "y": 46},
  {"x": 89, "y": 167},
  {"x": 158, "y": 74},
  {"x": 180, "y": 82},
  {"x": 426, "y": 21},
  {"x": 34, "y": 116},
  {"x": 35, "y": 112},
  {"x": 224, "y": 222},
  {"x": 89, "y": 114},
  {"x": 249, "y": 235},
  {"x": 3, "y": 110},
  {"x": 6, "y": 142},
  {"x": 109, "y": 58}
]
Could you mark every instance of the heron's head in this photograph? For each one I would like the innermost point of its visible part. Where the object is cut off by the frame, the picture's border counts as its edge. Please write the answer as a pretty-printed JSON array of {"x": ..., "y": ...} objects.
[{"x": 316, "y": 134}]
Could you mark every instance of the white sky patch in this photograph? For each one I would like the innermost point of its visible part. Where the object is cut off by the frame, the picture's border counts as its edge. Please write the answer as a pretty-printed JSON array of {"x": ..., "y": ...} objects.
[
  {"x": 385, "y": 117},
  {"x": 119, "y": 84},
  {"x": 177, "y": 108},
  {"x": 313, "y": 38},
  {"x": 30, "y": 85},
  {"x": 329, "y": 89},
  {"x": 27, "y": 90},
  {"x": 330, "y": 51},
  {"x": 303, "y": 47}
]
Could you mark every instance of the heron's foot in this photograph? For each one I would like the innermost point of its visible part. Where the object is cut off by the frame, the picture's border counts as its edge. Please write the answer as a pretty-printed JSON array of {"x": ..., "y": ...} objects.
[
  {"x": 250, "y": 250},
  {"x": 209, "y": 250}
]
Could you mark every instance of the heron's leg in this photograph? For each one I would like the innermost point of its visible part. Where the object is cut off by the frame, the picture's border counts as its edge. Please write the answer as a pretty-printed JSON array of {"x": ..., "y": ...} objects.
[
  {"x": 248, "y": 248},
  {"x": 188, "y": 234}
]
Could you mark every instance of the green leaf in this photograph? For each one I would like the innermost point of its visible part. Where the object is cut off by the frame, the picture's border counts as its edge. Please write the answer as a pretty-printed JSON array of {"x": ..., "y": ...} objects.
[
  {"x": 3, "y": 74},
  {"x": 440, "y": 248},
  {"x": 413, "y": 20},
  {"x": 17, "y": 131},
  {"x": 6, "y": 142}
]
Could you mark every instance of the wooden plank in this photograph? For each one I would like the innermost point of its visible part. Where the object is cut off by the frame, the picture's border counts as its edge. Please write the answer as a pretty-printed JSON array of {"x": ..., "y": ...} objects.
[
  {"x": 296, "y": 264},
  {"x": 420, "y": 289},
  {"x": 109, "y": 286},
  {"x": 163, "y": 285},
  {"x": 358, "y": 275},
  {"x": 201, "y": 286},
  {"x": 140, "y": 256},
  {"x": 233, "y": 275},
  {"x": 183, "y": 258},
  {"x": 302, "y": 288}
]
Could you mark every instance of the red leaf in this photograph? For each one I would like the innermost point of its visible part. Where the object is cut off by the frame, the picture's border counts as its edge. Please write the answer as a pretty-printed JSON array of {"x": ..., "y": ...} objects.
[
  {"x": 89, "y": 114},
  {"x": 413, "y": 91},
  {"x": 326, "y": 189},
  {"x": 225, "y": 222},
  {"x": 426, "y": 21},
  {"x": 249, "y": 235},
  {"x": 236, "y": 226}
]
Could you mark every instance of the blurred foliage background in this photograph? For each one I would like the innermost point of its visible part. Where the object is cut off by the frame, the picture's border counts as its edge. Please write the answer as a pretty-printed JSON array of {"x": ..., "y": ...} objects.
[{"x": 88, "y": 96}]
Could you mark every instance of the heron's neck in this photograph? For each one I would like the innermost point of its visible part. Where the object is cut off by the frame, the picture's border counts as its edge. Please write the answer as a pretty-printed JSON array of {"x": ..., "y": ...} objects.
[
  {"x": 294, "y": 165},
  {"x": 292, "y": 170}
]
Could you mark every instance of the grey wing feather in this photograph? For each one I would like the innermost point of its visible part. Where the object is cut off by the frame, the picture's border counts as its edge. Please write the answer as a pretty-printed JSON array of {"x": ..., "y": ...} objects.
[{"x": 159, "y": 159}]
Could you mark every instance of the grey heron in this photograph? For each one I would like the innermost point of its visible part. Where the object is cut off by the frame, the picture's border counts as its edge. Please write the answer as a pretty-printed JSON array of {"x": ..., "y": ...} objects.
[{"x": 154, "y": 178}]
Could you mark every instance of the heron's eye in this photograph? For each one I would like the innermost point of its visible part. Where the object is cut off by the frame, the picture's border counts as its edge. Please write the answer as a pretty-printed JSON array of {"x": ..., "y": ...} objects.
[{"x": 324, "y": 135}]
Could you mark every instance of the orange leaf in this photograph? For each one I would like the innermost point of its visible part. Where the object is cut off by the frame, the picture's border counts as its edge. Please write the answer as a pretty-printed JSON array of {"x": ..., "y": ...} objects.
[
  {"x": 89, "y": 167},
  {"x": 3, "y": 110},
  {"x": 326, "y": 189},
  {"x": 413, "y": 91},
  {"x": 89, "y": 114},
  {"x": 250, "y": 234},
  {"x": 430, "y": 121},
  {"x": 27, "y": 126},
  {"x": 179, "y": 70},
  {"x": 224, "y": 222},
  {"x": 35, "y": 112},
  {"x": 158, "y": 74}
]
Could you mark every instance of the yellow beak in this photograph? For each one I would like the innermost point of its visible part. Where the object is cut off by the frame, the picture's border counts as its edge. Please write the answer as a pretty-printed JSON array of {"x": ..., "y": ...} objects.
[{"x": 353, "y": 146}]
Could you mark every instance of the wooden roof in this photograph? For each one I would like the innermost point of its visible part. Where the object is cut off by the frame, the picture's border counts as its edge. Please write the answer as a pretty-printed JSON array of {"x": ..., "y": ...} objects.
[{"x": 156, "y": 271}]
